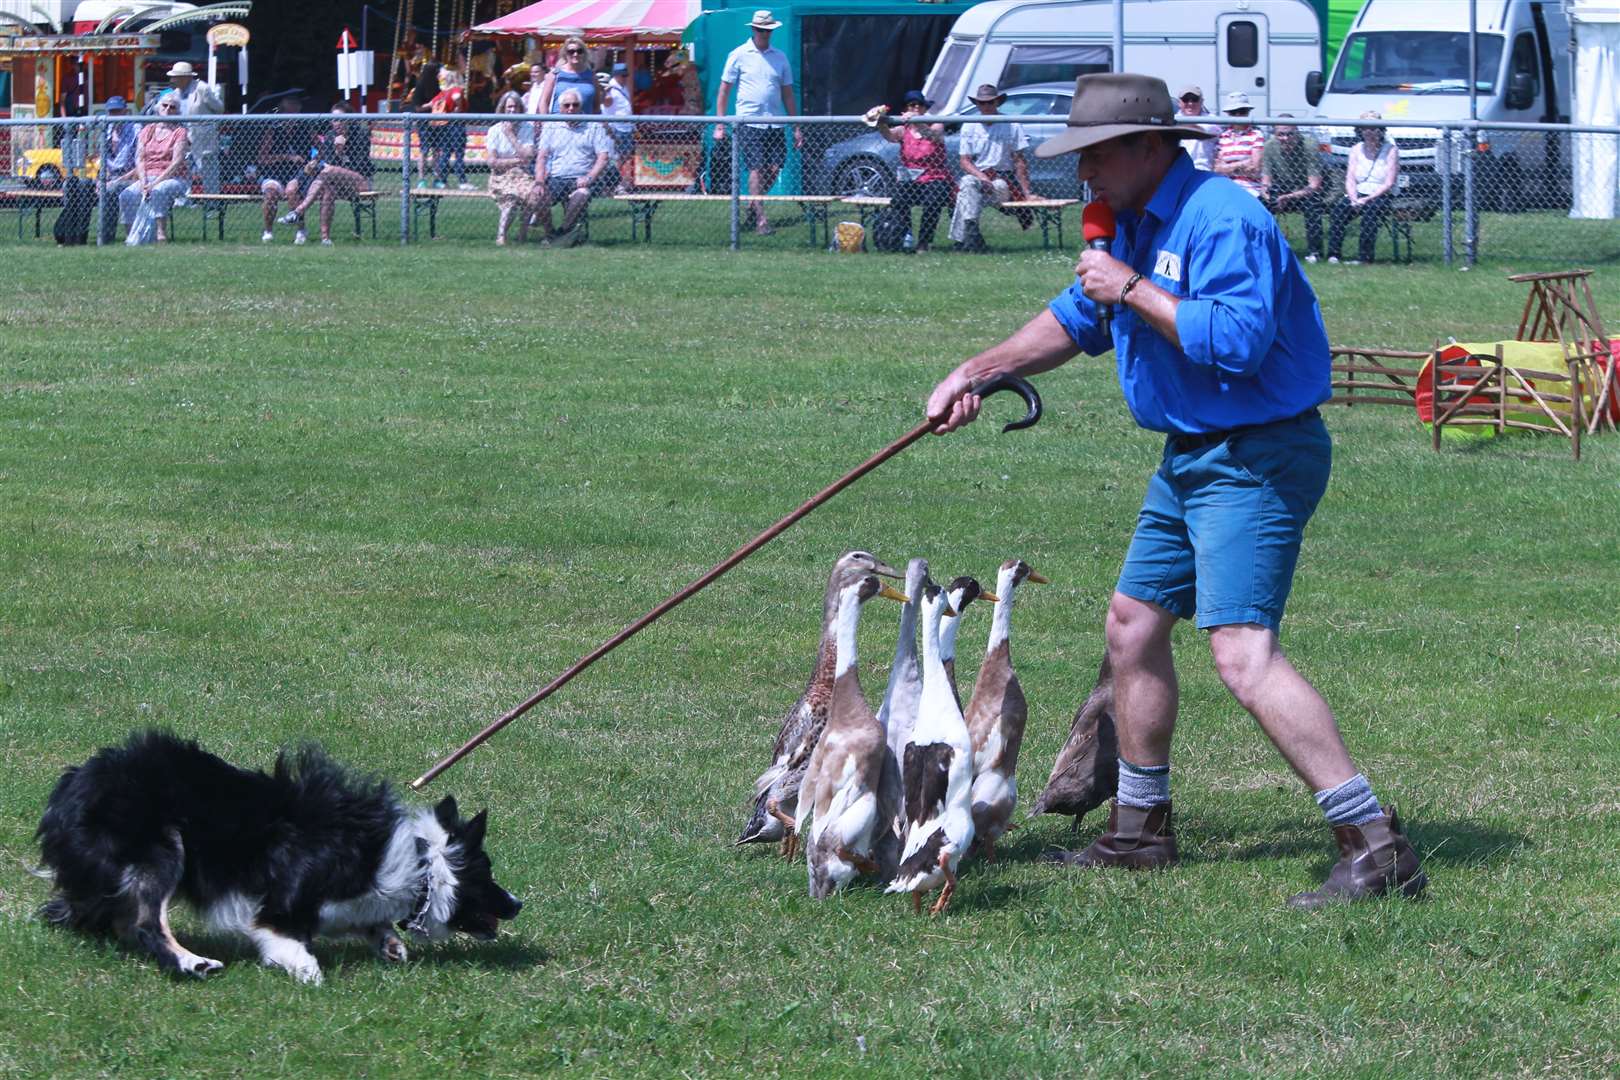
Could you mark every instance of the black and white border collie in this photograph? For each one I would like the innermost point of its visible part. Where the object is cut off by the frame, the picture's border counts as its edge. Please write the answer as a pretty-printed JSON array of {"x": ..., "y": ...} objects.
[{"x": 307, "y": 849}]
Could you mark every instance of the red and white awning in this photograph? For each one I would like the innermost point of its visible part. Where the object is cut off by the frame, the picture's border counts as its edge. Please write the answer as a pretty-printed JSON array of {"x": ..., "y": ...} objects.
[{"x": 598, "y": 20}]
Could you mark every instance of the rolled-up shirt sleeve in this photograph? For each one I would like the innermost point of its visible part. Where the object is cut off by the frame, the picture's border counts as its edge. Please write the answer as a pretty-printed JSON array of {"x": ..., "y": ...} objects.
[
  {"x": 1228, "y": 319},
  {"x": 1077, "y": 314}
]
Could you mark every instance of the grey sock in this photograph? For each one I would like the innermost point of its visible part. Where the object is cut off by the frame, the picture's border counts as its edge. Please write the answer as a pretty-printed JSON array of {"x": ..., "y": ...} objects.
[
  {"x": 1143, "y": 785},
  {"x": 1351, "y": 803}
]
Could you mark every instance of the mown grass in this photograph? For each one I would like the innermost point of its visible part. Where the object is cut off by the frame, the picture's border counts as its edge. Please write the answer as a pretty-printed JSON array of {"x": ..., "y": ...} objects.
[{"x": 377, "y": 497}]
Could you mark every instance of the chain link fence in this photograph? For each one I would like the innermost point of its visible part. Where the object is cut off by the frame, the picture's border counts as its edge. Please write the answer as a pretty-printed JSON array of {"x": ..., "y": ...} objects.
[{"x": 1532, "y": 196}]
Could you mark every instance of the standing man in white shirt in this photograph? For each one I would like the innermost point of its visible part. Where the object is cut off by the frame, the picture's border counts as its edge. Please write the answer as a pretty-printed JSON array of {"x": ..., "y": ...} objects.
[
  {"x": 989, "y": 152},
  {"x": 1202, "y": 151},
  {"x": 764, "y": 86},
  {"x": 198, "y": 98}
]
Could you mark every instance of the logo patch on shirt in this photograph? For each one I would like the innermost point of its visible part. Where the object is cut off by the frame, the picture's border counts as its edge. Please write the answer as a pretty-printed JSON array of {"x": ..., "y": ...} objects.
[{"x": 1168, "y": 266}]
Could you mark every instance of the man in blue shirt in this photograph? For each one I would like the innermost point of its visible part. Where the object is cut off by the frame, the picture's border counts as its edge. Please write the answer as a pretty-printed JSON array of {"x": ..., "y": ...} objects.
[
  {"x": 1220, "y": 345},
  {"x": 118, "y": 164}
]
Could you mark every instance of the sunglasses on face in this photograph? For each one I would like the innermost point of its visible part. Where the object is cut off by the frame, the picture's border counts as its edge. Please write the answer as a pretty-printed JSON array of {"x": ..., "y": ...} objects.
[
  {"x": 570, "y": 104},
  {"x": 576, "y": 52},
  {"x": 1191, "y": 99}
]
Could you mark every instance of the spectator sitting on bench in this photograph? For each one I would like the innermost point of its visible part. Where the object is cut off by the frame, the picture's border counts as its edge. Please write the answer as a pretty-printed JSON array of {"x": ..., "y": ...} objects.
[
  {"x": 334, "y": 172},
  {"x": 1374, "y": 166},
  {"x": 988, "y": 152},
  {"x": 287, "y": 146},
  {"x": 1291, "y": 179},
  {"x": 923, "y": 178},
  {"x": 570, "y": 157},
  {"x": 510, "y": 145},
  {"x": 1241, "y": 145},
  {"x": 162, "y": 170},
  {"x": 122, "y": 138}
]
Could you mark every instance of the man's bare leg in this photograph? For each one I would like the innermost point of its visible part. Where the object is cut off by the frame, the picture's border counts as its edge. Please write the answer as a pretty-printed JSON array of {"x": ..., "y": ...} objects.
[{"x": 1146, "y": 693}]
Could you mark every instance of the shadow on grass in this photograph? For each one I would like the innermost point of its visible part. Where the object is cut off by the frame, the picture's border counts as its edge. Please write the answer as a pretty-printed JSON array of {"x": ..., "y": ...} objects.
[{"x": 1451, "y": 843}]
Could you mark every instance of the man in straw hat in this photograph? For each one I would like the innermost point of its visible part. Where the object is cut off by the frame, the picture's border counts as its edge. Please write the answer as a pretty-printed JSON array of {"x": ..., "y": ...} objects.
[
  {"x": 198, "y": 98},
  {"x": 989, "y": 153},
  {"x": 764, "y": 84},
  {"x": 1220, "y": 346}
]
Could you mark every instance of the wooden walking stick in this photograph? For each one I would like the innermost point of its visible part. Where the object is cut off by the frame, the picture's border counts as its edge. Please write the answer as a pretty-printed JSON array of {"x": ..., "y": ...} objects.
[{"x": 1019, "y": 386}]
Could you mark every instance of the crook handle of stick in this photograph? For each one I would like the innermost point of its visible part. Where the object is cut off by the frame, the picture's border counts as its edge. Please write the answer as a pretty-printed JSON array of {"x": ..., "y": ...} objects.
[{"x": 1023, "y": 389}]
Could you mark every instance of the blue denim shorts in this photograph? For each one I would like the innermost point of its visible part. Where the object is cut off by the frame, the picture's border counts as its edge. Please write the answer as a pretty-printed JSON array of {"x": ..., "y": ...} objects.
[{"x": 1220, "y": 528}]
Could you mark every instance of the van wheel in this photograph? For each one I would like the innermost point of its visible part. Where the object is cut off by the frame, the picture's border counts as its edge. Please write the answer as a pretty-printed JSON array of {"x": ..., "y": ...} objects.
[
  {"x": 1507, "y": 194},
  {"x": 49, "y": 177}
]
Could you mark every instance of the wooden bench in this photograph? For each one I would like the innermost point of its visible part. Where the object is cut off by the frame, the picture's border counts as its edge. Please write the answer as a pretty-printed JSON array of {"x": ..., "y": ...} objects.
[
  {"x": 1049, "y": 212},
  {"x": 429, "y": 198},
  {"x": 20, "y": 202},
  {"x": 644, "y": 204},
  {"x": 1403, "y": 211},
  {"x": 216, "y": 204}
]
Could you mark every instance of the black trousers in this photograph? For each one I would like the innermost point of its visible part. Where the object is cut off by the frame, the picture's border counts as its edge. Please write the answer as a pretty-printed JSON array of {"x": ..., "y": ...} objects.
[
  {"x": 932, "y": 195},
  {"x": 1372, "y": 218},
  {"x": 1310, "y": 207}
]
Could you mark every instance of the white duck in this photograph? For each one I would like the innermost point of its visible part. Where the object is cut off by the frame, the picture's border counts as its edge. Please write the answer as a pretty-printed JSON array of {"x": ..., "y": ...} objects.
[
  {"x": 938, "y": 769},
  {"x": 996, "y": 718},
  {"x": 898, "y": 715},
  {"x": 960, "y": 592},
  {"x": 839, "y": 796},
  {"x": 776, "y": 791}
]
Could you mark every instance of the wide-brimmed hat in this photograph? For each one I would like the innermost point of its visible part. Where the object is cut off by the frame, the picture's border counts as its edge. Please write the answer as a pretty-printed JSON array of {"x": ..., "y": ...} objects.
[
  {"x": 764, "y": 20},
  {"x": 987, "y": 92},
  {"x": 1108, "y": 106},
  {"x": 183, "y": 68},
  {"x": 1235, "y": 100}
]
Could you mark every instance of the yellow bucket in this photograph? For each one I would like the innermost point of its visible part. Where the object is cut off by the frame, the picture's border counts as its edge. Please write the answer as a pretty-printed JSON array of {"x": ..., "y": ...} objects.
[{"x": 850, "y": 237}]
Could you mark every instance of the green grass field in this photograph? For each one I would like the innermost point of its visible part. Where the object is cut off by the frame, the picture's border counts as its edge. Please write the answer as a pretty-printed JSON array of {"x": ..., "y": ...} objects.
[{"x": 376, "y": 497}]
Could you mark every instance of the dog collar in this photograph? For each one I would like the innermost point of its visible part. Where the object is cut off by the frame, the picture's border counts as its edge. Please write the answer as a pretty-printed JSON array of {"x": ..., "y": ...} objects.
[{"x": 423, "y": 903}]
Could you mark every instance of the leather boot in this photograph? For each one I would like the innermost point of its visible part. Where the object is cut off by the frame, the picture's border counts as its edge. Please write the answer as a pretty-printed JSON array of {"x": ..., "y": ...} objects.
[
  {"x": 1137, "y": 838},
  {"x": 1375, "y": 858}
]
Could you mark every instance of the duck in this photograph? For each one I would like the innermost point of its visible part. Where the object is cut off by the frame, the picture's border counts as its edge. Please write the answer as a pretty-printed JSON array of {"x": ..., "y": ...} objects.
[
  {"x": 961, "y": 592},
  {"x": 776, "y": 791},
  {"x": 839, "y": 797},
  {"x": 996, "y": 717},
  {"x": 898, "y": 715},
  {"x": 937, "y": 767},
  {"x": 1086, "y": 773}
]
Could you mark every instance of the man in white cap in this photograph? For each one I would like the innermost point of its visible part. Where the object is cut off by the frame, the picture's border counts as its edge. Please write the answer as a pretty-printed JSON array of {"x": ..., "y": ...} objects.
[
  {"x": 764, "y": 85},
  {"x": 1220, "y": 346},
  {"x": 198, "y": 98},
  {"x": 1241, "y": 146},
  {"x": 1202, "y": 151}
]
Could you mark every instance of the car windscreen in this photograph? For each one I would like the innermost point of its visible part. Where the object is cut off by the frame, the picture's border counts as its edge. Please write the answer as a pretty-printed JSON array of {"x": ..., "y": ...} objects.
[{"x": 1414, "y": 62}]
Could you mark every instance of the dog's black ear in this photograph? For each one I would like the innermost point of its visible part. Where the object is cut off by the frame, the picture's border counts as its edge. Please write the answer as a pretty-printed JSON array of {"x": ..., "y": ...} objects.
[
  {"x": 447, "y": 813},
  {"x": 473, "y": 835}
]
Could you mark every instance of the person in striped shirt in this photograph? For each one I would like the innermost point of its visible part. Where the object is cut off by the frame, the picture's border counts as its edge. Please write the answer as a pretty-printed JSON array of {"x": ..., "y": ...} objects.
[{"x": 1240, "y": 148}]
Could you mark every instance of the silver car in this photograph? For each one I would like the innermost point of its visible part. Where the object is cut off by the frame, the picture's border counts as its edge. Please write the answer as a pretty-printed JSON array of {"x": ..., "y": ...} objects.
[{"x": 866, "y": 164}]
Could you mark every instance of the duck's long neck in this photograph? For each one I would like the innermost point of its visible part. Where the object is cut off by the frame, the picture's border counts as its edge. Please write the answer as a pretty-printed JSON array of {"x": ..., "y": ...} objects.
[
  {"x": 933, "y": 661},
  {"x": 846, "y": 625},
  {"x": 905, "y": 650},
  {"x": 947, "y": 637},
  {"x": 1001, "y": 621}
]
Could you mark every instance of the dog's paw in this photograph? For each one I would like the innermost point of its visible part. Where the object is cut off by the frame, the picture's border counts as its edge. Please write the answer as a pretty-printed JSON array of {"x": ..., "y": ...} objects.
[
  {"x": 306, "y": 971},
  {"x": 199, "y": 967},
  {"x": 388, "y": 945}
]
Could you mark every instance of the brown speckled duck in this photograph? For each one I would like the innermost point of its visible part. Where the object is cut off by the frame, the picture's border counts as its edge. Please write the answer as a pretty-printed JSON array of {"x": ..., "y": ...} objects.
[
  {"x": 996, "y": 718},
  {"x": 776, "y": 792},
  {"x": 838, "y": 814}
]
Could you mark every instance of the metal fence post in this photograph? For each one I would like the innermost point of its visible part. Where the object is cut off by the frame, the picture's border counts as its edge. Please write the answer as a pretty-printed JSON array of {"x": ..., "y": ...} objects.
[
  {"x": 405, "y": 184},
  {"x": 736, "y": 189},
  {"x": 1470, "y": 205},
  {"x": 1445, "y": 157},
  {"x": 98, "y": 131}
]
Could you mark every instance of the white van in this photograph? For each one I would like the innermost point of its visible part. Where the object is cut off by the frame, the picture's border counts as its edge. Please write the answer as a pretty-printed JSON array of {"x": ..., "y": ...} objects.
[
  {"x": 1266, "y": 48},
  {"x": 1409, "y": 61}
]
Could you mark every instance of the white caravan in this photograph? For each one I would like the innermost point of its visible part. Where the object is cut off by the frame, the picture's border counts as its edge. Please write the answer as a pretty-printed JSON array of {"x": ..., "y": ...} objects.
[
  {"x": 1266, "y": 48},
  {"x": 1409, "y": 61}
]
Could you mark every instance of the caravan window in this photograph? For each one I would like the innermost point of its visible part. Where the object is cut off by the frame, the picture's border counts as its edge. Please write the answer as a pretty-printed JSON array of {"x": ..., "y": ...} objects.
[
  {"x": 1053, "y": 63},
  {"x": 1414, "y": 62},
  {"x": 947, "y": 71},
  {"x": 1242, "y": 44}
]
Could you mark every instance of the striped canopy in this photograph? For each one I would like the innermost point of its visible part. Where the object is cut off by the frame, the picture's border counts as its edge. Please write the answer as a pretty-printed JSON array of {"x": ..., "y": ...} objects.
[{"x": 598, "y": 20}]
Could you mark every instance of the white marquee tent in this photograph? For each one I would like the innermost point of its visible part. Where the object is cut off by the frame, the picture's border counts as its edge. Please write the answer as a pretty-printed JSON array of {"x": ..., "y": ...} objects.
[{"x": 1595, "y": 100}]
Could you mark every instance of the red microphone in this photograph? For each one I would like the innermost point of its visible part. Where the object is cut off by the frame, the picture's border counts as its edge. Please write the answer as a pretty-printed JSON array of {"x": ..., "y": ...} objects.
[{"x": 1097, "y": 227}]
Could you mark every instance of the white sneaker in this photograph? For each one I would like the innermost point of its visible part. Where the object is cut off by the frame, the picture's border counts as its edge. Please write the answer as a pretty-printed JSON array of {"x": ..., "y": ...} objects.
[
  {"x": 1333, "y": 260},
  {"x": 327, "y": 242},
  {"x": 289, "y": 218},
  {"x": 1311, "y": 257},
  {"x": 464, "y": 186},
  {"x": 267, "y": 237},
  {"x": 1352, "y": 262},
  {"x": 300, "y": 237}
]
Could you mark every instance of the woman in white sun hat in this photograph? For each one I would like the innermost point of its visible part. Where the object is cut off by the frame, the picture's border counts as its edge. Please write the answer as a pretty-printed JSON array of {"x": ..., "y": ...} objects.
[{"x": 198, "y": 98}]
